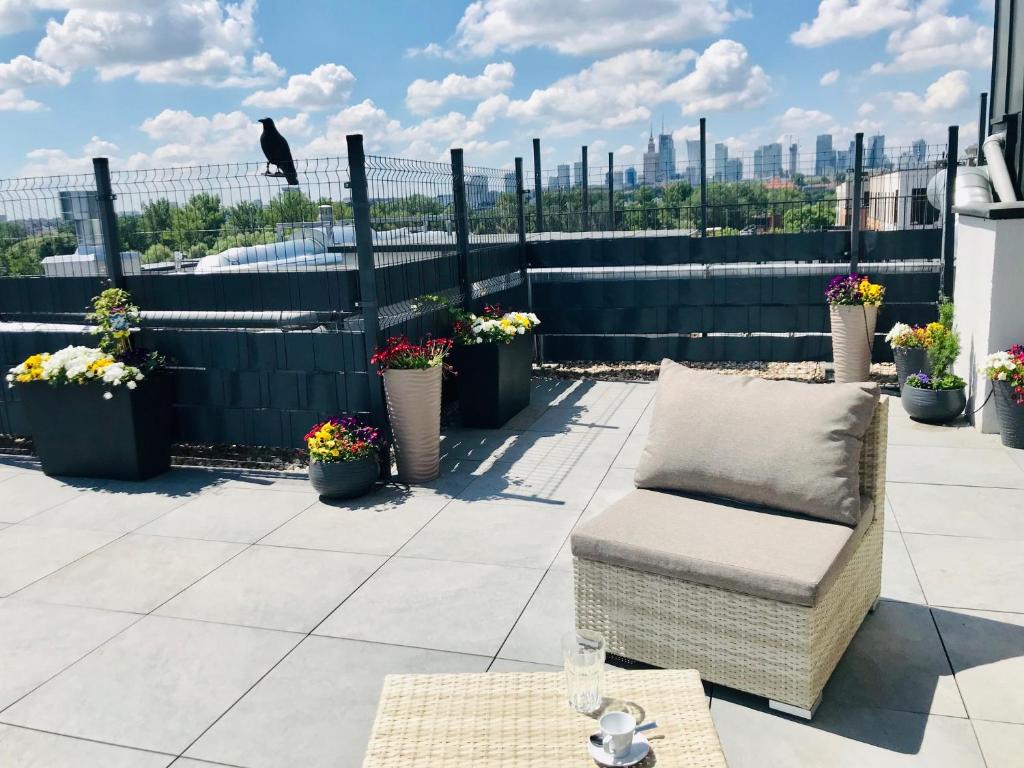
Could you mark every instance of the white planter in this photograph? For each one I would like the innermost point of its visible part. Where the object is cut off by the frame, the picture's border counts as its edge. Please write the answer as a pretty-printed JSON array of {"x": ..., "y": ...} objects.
[
  {"x": 414, "y": 405},
  {"x": 853, "y": 336}
]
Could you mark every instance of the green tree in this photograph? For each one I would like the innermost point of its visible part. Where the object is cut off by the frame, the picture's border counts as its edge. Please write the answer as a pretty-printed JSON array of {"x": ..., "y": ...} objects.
[
  {"x": 291, "y": 206},
  {"x": 158, "y": 221},
  {"x": 157, "y": 253},
  {"x": 198, "y": 221},
  {"x": 25, "y": 257},
  {"x": 241, "y": 239},
  {"x": 246, "y": 216},
  {"x": 131, "y": 230}
]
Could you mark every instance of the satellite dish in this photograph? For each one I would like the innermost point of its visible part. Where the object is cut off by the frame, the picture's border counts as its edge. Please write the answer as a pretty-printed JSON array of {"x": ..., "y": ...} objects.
[
  {"x": 937, "y": 190},
  {"x": 972, "y": 187}
]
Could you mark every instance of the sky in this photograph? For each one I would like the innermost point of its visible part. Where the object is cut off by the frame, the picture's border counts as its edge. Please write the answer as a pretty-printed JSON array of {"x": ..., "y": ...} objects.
[{"x": 156, "y": 83}]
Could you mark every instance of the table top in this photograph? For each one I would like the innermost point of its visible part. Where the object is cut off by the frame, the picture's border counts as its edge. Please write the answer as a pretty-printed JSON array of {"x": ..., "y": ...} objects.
[{"x": 523, "y": 720}]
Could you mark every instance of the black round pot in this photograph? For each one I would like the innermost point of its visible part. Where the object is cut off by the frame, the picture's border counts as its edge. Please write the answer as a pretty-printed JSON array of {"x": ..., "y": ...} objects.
[
  {"x": 933, "y": 406},
  {"x": 910, "y": 360},
  {"x": 344, "y": 479},
  {"x": 1011, "y": 416}
]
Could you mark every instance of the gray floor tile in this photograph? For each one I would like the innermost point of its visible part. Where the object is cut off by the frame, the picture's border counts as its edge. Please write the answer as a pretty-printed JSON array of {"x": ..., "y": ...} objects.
[
  {"x": 498, "y": 534},
  {"x": 478, "y": 444},
  {"x": 376, "y": 529},
  {"x": 462, "y": 607},
  {"x": 555, "y": 486},
  {"x": 157, "y": 685},
  {"x": 1017, "y": 455},
  {"x": 28, "y": 553},
  {"x": 24, "y": 748},
  {"x": 231, "y": 515},
  {"x": 316, "y": 708},
  {"x": 618, "y": 482},
  {"x": 953, "y": 466},
  {"x": 969, "y": 573},
  {"x": 987, "y": 653},
  {"x": 1001, "y": 743},
  {"x": 956, "y": 435},
  {"x": 891, "y": 523},
  {"x": 37, "y": 641},
  {"x": 840, "y": 736},
  {"x": 605, "y": 416},
  {"x": 896, "y": 661},
  {"x": 103, "y": 510},
  {"x": 951, "y": 510},
  {"x": 135, "y": 573},
  {"x": 899, "y": 581},
  {"x": 274, "y": 588},
  {"x": 537, "y": 636},
  {"x": 510, "y": 665},
  {"x": 563, "y": 560},
  {"x": 29, "y": 493}
]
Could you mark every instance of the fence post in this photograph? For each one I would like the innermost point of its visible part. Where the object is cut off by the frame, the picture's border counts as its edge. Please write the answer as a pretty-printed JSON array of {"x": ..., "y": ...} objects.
[
  {"x": 858, "y": 199},
  {"x": 703, "y": 178},
  {"x": 327, "y": 222},
  {"x": 982, "y": 126},
  {"x": 521, "y": 228},
  {"x": 611, "y": 190},
  {"x": 585, "y": 191},
  {"x": 461, "y": 226},
  {"x": 108, "y": 222},
  {"x": 948, "y": 275},
  {"x": 538, "y": 186},
  {"x": 367, "y": 274}
]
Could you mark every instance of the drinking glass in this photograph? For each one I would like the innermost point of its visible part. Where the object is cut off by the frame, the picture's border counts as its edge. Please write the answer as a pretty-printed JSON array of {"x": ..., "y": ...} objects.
[{"x": 583, "y": 652}]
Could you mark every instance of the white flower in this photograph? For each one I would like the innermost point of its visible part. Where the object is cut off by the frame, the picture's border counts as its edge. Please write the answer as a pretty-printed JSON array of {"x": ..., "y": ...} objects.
[
  {"x": 108, "y": 395},
  {"x": 10, "y": 377},
  {"x": 131, "y": 385},
  {"x": 1002, "y": 376}
]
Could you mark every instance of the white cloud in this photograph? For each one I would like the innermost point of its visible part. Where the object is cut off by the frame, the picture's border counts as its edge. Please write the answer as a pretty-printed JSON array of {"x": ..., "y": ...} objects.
[
  {"x": 15, "y": 16},
  {"x": 424, "y": 96},
  {"x": 797, "y": 119},
  {"x": 723, "y": 78},
  {"x": 192, "y": 139},
  {"x": 582, "y": 27},
  {"x": 203, "y": 42},
  {"x": 14, "y": 100},
  {"x": 327, "y": 86},
  {"x": 830, "y": 78},
  {"x": 841, "y": 19},
  {"x": 948, "y": 92},
  {"x": 938, "y": 41},
  {"x": 866, "y": 108},
  {"x": 24, "y": 71}
]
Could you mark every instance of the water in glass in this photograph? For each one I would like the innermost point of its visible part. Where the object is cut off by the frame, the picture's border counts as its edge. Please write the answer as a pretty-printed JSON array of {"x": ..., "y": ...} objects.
[{"x": 584, "y": 652}]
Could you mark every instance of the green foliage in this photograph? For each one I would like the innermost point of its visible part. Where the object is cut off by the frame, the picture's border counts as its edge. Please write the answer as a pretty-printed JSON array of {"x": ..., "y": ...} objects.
[
  {"x": 290, "y": 206},
  {"x": 809, "y": 218},
  {"x": 241, "y": 240},
  {"x": 246, "y": 216},
  {"x": 392, "y": 214},
  {"x": 132, "y": 233},
  {"x": 114, "y": 315},
  {"x": 157, "y": 254},
  {"x": 25, "y": 256},
  {"x": 158, "y": 222},
  {"x": 197, "y": 251},
  {"x": 945, "y": 346},
  {"x": 198, "y": 221},
  {"x": 948, "y": 381}
]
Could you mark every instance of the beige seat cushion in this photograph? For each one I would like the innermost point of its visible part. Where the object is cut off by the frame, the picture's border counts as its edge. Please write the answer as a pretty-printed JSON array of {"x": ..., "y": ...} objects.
[
  {"x": 776, "y": 555},
  {"x": 779, "y": 444}
]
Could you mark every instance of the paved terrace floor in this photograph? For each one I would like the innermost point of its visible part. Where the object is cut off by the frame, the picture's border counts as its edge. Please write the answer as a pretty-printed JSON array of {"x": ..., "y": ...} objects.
[{"x": 219, "y": 618}]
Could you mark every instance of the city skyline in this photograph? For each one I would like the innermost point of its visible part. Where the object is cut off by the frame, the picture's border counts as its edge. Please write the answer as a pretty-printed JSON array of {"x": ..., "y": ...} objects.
[{"x": 178, "y": 83}]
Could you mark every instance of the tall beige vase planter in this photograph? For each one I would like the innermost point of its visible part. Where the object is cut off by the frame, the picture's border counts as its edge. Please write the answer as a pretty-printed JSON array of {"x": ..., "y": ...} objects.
[
  {"x": 414, "y": 405},
  {"x": 853, "y": 335}
]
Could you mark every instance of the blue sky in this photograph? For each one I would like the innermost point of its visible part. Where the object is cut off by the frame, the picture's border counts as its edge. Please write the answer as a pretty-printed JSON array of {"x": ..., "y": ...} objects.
[{"x": 170, "y": 82}]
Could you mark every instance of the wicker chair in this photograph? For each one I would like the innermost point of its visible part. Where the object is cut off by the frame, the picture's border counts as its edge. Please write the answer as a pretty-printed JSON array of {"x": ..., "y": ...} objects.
[{"x": 784, "y": 652}]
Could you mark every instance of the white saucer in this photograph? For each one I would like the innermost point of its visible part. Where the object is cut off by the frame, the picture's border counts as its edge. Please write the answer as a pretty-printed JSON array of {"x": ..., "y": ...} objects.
[{"x": 637, "y": 752}]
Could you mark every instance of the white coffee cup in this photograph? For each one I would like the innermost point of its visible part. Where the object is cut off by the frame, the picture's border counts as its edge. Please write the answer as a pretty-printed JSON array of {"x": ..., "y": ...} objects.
[{"x": 617, "y": 730}]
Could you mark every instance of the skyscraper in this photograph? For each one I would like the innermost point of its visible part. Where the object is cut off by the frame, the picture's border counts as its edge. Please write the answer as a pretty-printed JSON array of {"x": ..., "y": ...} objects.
[
  {"x": 824, "y": 157},
  {"x": 577, "y": 173},
  {"x": 510, "y": 182},
  {"x": 651, "y": 163},
  {"x": 793, "y": 150},
  {"x": 768, "y": 161},
  {"x": 733, "y": 169},
  {"x": 721, "y": 158},
  {"x": 630, "y": 176},
  {"x": 920, "y": 150},
  {"x": 874, "y": 152},
  {"x": 666, "y": 156},
  {"x": 563, "y": 176}
]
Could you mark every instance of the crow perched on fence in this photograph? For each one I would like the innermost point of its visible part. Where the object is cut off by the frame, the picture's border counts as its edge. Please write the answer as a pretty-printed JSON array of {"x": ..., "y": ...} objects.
[{"x": 278, "y": 153}]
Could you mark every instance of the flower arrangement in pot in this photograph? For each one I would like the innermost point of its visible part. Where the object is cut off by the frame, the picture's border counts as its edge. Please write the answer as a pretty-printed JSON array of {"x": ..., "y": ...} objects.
[
  {"x": 99, "y": 411},
  {"x": 910, "y": 345},
  {"x": 412, "y": 386},
  {"x": 344, "y": 457},
  {"x": 853, "y": 302},
  {"x": 1006, "y": 371},
  {"x": 494, "y": 357},
  {"x": 940, "y": 396}
]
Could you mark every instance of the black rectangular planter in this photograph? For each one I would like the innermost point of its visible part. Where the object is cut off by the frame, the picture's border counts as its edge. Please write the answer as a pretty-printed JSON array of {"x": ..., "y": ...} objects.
[
  {"x": 79, "y": 434},
  {"x": 493, "y": 381}
]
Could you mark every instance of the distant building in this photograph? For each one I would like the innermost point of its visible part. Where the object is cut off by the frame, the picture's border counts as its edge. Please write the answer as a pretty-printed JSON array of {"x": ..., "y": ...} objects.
[
  {"x": 733, "y": 169},
  {"x": 577, "y": 173},
  {"x": 919, "y": 149},
  {"x": 478, "y": 195},
  {"x": 874, "y": 153},
  {"x": 721, "y": 158},
  {"x": 630, "y": 177},
  {"x": 844, "y": 161},
  {"x": 552, "y": 182},
  {"x": 617, "y": 179},
  {"x": 563, "y": 176},
  {"x": 510, "y": 182},
  {"x": 824, "y": 156},
  {"x": 892, "y": 201},
  {"x": 666, "y": 156},
  {"x": 793, "y": 150},
  {"x": 651, "y": 163},
  {"x": 768, "y": 161}
]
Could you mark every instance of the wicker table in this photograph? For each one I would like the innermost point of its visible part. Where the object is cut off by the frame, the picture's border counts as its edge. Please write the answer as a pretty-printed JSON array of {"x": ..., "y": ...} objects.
[{"x": 522, "y": 720}]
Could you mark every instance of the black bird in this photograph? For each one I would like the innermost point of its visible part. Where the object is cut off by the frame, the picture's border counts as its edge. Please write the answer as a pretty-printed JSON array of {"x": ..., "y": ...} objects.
[{"x": 278, "y": 153}]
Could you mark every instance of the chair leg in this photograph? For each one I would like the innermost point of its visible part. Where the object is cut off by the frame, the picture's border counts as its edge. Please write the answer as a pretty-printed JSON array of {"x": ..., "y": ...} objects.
[{"x": 789, "y": 709}]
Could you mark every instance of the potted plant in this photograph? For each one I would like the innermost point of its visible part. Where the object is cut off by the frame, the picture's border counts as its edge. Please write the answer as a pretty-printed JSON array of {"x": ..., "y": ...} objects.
[
  {"x": 99, "y": 412},
  {"x": 412, "y": 386},
  {"x": 940, "y": 396},
  {"x": 493, "y": 355},
  {"x": 343, "y": 457},
  {"x": 909, "y": 350},
  {"x": 853, "y": 310},
  {"x": 1006, "y": 370}
]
